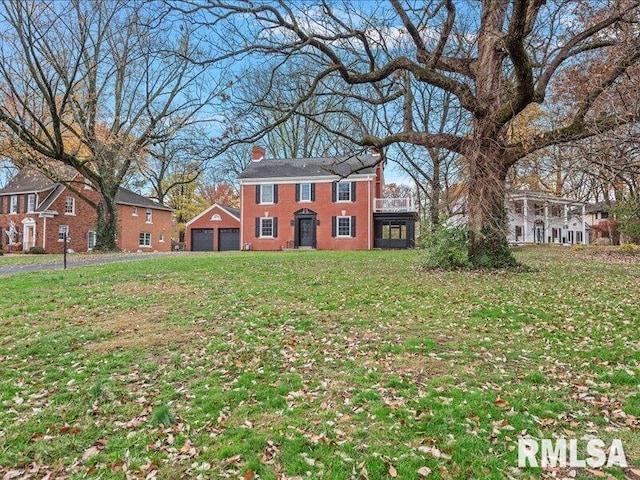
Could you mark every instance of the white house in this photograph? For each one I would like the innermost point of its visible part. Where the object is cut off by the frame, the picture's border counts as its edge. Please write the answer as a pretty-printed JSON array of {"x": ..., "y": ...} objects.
[{"x": 537, "y": 217}]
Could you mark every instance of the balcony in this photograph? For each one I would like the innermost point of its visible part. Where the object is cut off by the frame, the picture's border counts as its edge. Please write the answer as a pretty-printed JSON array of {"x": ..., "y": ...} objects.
[{"x": 394, "y": 205}]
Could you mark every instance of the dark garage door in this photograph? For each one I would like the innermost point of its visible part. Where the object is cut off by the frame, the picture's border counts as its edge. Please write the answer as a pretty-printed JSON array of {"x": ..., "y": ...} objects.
[
  {"x": 229, "y": 239},
  {"x": 202, "y": 240}
]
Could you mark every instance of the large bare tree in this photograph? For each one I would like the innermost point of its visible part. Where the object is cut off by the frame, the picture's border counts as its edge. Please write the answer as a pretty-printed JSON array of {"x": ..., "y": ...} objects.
[
  {"x": 94, "y": 85},
  {"x": 496, "y": 57}
]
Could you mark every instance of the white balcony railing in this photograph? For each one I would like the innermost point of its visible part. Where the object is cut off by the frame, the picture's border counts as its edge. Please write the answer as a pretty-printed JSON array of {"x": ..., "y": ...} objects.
[{"x": 392, "y": 205}]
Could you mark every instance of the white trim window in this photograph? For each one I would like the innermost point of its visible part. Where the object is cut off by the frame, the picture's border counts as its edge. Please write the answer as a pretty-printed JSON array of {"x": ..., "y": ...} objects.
[
  {"x": 161, "y": 239},
  {"x": 13, "y": 204},
  {"x": 343, "y": 227},
  {"x": 69, "y": 206},
  {"x": 87, "y": 184},
  {"x": 31, "y": 203},
  {"x": 149, "y": 216},
  {"x": 305, "y": 192},
  {"x": 134, "y": 211},
  {"x": 145, "y": 239},
  {"x": 62, "y": 230},
  {"x": 267, "y": 194},
  {"x": 92, "y": 239},
  {"x": 266, "y": 227},
  {"x": 344, "y": 191}
]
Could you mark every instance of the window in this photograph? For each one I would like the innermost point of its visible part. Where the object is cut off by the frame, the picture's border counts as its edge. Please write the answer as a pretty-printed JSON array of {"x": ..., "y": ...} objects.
[
  {"x": 13, "y": 204},
  {"x": 305, "y": 192},
  {"x": 604, "y": 215},
  {"x": 145, "y": 239},
  {"x": 266, "y": 227},
  {"x": 62, "y": 231},
  {"x": 162, "y": 237},
  {"x": 518, "y": 232},
  {"x": 70, "y": 206},
  {"x": 267, "y": 194},
  {"x": 538, "y": 209},
  {"x": 87, "y": 184},
  {"x": 31, "y": 203},
  {"x": 519, "y": 208},
  {"x": 149, "y": 216},
  {"x": 134, "y": 211},
  {"x": 394, "y": 231},
  {"x": 91, "y": 240},
  {"x": 344, "y": 226},
  {"x": 344, "y": 191}
]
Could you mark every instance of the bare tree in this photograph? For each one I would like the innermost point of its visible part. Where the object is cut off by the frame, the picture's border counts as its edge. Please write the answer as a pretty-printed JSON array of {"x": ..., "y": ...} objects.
[
  {"x": 517, "y": 50},
  {"x": 92, "y": 84}
]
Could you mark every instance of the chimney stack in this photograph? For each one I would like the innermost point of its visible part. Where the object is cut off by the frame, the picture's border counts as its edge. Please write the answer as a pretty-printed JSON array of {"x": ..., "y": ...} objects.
[{"x": 257, "y": 153}]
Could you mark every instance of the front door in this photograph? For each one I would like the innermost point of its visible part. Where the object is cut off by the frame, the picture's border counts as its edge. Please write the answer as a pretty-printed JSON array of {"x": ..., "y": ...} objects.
[{"x": 306, "y": 232}]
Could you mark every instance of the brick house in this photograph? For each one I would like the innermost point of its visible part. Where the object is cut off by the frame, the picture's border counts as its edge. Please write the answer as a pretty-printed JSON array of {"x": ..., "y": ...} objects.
[
  {"x": 215, "y": 229},
  {"x": 36, "y": 212},
  {"x": 323, "y": 203}
]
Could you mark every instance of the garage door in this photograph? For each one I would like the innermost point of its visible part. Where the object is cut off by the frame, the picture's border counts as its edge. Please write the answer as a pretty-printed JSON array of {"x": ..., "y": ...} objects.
[
  {"x": 202, "y": 240},
  {"x": 229, "y": 239}
]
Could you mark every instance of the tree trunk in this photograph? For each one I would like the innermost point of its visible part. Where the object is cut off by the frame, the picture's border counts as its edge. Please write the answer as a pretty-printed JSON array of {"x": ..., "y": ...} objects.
[
  {"x": 434, "y": 200},
  {"x": 107, "y": 223},
  {"x": 487, "y": 218}
]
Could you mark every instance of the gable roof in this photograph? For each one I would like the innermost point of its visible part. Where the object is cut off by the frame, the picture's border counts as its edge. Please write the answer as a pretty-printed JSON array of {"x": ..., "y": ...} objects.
[
  {"x": 234, "y": 212},
  {"x": 30, "y": 180},
  {"x": 127, "y": 197},
  {"x": 311, "y": 167}
]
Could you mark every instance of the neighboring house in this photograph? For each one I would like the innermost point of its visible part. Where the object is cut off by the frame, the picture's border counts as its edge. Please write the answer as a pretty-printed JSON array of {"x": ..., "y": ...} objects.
[
  {"x": 323, "y": 203},
  {"x": 36, "y": 212},
  {"x": 215, "y": 229},
  {"x": 537, "y": 217}
]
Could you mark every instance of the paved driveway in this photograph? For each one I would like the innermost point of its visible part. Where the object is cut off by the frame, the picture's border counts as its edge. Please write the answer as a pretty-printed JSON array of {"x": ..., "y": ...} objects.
[{"x": 80, "y": 260}]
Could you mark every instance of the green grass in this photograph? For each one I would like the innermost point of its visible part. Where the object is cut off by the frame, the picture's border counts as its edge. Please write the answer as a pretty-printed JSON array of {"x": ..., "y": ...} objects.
[
  {"x": 9, "y": 260},
  {"x": 333, "y": 365}
]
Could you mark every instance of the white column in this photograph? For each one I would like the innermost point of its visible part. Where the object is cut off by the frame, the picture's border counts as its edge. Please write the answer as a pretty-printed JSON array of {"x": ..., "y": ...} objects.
[
  {"x": 44, "y": 234},
  {"x": 566, "y": 221},
  {"x": 525, "y": 211},
  {"x": 546, "y": 222},
  {"x": 584, "y": 225}
]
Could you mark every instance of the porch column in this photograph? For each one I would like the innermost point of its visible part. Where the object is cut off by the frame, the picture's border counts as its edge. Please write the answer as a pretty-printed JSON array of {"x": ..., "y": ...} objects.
[
  {"x": 584, "y": 225},
  {"x": 565, "y": 227},
  {"x": 546, "y": 222},
  {"x": 44, "y": 233},
  {"x": 525, "y": 211}
]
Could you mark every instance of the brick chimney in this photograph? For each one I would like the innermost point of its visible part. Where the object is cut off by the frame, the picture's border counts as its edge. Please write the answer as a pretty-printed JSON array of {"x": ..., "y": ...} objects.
[{"x": 257, "y": 153}]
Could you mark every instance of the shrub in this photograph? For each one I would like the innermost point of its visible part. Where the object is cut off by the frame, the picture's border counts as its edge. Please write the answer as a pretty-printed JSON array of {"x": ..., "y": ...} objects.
[
  {"x": 447, "y": 247},
  {"x": 630, "y": 248},
  {"x": 1, "y": 250},
  {"x": 37, "y": 250}
]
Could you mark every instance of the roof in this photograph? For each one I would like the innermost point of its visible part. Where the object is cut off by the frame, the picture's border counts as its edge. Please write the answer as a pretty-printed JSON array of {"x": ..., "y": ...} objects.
[
  {"x": 542, "y": 196},
  {"x": 127, "y": 197},
  {"x": 600, "y": 206},
  {"x": 234, "y": 212},
  {"x": 30, "y": 180},
  {"x": 311, "y": 167}
]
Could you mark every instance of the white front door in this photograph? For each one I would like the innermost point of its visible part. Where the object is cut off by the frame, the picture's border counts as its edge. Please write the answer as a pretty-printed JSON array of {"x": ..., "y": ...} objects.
[{"x": 28, "y": 234}]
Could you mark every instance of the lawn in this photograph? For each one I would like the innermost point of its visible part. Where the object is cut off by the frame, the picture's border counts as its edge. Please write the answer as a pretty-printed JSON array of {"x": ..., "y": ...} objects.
[
  {"x": 315, "y": 365},
  {"x": 8, "y": 260}
]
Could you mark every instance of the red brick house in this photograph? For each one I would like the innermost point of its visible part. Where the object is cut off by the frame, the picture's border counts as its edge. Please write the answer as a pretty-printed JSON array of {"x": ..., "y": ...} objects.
[
  {"x": 215, "y": 229},
  {"x": 36, "y": 212},
  {"x": 322, "y": 203}
]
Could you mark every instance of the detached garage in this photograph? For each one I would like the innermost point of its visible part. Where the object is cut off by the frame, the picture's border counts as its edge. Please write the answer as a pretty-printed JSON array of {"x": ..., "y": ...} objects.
[{"x": 217, "y": 229}]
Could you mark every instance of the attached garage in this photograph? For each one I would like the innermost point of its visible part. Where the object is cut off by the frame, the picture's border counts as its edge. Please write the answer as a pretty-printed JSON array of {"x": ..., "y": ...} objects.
[
  {"x": 215, "y": 229},
  {"x": 202, "y": 239},
  {"x": 228, "y": 239}
]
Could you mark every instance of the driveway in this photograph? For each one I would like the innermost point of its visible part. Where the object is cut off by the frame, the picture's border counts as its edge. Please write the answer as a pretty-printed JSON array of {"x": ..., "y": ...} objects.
[{"x": 81, "y": 260}]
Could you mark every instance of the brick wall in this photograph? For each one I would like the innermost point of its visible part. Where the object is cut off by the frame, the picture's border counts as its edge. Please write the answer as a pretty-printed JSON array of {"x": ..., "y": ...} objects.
[
  {"x": 130, "y": 227},
  {"x": 323, "y": 206},
  {"x": 205, "y": 221}
]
